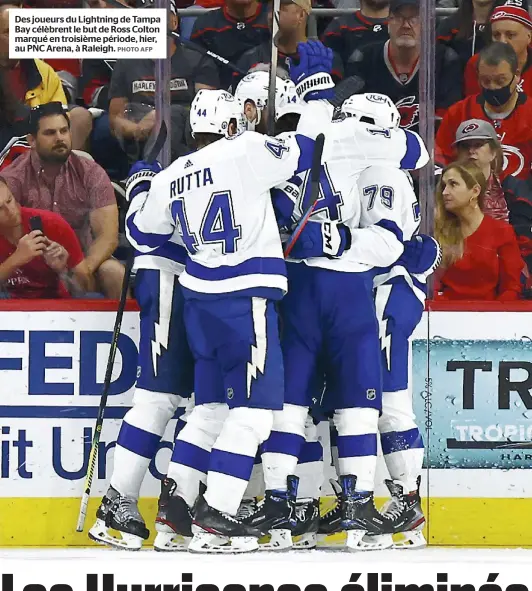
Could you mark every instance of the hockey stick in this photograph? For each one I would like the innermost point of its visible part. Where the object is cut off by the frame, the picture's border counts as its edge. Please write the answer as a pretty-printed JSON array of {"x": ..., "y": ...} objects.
[
  {"x": 93, "y": 456},
  {"x": 270, "y": 128},
  {"x": 192, "y": 45},
  {"x": 314, "y": 193}
]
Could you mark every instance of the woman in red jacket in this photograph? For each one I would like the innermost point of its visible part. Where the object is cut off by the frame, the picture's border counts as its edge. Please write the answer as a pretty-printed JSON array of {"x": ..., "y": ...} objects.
[{"x": 481, "y": 259}]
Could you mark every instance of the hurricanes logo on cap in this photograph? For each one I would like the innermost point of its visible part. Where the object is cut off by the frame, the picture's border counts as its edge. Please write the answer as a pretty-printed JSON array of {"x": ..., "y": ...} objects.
[
  {"x": 469, "y": 128},
  {"x": 500, "y": 14}
]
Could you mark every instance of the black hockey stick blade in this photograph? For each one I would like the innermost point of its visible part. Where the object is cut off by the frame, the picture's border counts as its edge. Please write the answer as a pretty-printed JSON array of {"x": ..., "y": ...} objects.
[
  {"x": 314, "y": 193},
  {"x": 158, "y": 145},
  {"x": 202, "y": 50},
  {"x": 191, "y": 44}
]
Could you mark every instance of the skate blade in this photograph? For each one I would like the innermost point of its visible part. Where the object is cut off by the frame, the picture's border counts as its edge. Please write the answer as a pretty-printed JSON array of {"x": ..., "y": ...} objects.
[
  {"x": 410, "y": 540},
  {"x": 99, "y": 533},
  {"x": 357, "y": 540},
  {"x": 280, "y": 539},
  {"x": 306, "y": 541},
  {"x": 207, "y": 543},
  {"x": 170, "y": 542},
  {"x": 331, "y": 541}
]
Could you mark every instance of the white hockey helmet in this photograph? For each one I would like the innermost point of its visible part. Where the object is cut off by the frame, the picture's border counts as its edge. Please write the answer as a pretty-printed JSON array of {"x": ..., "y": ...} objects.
[
  {"x": 286, "y": 99},
  {"x": 254, "y": 87},
  {"x": 373, "y": 108},
  {"x": 212, "y": 111}
]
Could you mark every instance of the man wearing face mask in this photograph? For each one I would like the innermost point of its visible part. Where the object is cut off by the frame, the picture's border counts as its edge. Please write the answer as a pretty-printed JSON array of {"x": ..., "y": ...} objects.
[
  {"x": 500, "y": 103},
  {"x": 512, "y": 25}
]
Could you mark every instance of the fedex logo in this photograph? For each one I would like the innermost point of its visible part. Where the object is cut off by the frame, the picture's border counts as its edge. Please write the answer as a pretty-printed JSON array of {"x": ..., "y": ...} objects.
[{"x": 64, "y": 362}]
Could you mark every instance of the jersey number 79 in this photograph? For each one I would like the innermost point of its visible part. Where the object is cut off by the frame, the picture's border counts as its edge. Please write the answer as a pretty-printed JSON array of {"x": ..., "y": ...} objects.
[{"x": 217, "y": 227}]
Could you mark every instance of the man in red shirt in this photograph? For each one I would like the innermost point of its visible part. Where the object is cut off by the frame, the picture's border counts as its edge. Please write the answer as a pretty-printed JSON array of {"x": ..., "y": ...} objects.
[
  {"x": 512, "y": 25},
  {"x": 500, "y": 103},
  {"x": 50, "y": 176},
  {"x": 35, "y": 264}
]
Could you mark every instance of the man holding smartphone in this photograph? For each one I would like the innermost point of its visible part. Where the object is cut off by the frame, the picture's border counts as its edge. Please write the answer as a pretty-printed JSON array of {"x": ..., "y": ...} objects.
[{"x": 40, "y": 255}]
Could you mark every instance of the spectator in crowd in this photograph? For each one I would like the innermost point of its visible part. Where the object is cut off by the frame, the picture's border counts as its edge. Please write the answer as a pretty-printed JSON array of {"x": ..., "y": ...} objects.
[
  {"x": 51, "y": 177},
  {"x": 35, "y": 264},
  {"x": 348, "y": 33},
  {"x": 133, "y": 81},
  {"x": 465, "y": 30},
  {"x": 13, "y": 122},
  {"x": 509, "y": 199},
  {"x": 34, "y": 82},
  {"x": 499, "y": 103},
  {"x": 481, "y": 259},
  {"x": 231, "y": 31},
  {"x": 512, "y": 25},
  {"x": 93, "y": 88},
  {"x": 392, "y": 67},
  {"x": 293, "y": 17}
]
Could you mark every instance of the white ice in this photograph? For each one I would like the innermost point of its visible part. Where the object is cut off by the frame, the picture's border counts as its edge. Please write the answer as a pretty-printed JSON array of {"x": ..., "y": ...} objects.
[{"x": 471, "y": 556}]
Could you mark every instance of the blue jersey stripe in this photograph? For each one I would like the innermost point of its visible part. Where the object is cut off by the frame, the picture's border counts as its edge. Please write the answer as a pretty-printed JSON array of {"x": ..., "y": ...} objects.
[
  {"x": 254, "y": 266},
  {"x": 145, "y": 238},
  {"x": 413, "y": 152},
  {"x": 170, "y": 250},
  {"x": 391, "y": 227}
]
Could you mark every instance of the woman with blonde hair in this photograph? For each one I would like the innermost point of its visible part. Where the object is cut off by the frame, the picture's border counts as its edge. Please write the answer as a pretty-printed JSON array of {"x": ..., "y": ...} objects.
[{"x": 481, "y": 259}]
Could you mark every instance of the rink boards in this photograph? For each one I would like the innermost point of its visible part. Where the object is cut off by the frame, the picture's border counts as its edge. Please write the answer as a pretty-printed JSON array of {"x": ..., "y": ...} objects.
[{"x": 472, "y": 380}]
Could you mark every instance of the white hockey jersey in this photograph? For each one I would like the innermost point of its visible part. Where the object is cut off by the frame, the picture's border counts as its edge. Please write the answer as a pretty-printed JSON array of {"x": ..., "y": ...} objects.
[
  {"x": 219, "y": 200},
  {"x": 362, "y": 187},
  {"x": 169, "y": 257}
]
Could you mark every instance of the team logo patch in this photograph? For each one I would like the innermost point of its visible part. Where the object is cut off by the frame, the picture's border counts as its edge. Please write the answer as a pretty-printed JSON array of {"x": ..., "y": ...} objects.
[
  {"x": 469, "y": 128},
  {"x": 409, "y": 111},
  {"x": 276, "y": 148}
]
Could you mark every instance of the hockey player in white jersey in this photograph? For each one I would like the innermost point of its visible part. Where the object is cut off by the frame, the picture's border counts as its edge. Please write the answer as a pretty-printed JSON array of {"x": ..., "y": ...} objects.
[
  {"x": 165, "y": 375},
  {"x": 400, "y": 292},
  {"x": 329, "y": 315},
  {"x": 219, "y": 199},
  {"x": 399, "y": 296},
  {"x": 252, "y": 92}
]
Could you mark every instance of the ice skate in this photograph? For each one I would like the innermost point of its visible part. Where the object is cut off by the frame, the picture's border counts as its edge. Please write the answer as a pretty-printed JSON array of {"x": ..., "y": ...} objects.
[
  {"x": 173, "y": 522},
  {"x": 275, "y": 514},
  {"x": 219, "y": 533},
  {"x": 304, "y": 534},
  {"x": 331, "y": 522},
  {"x": 360, "y": 517},
  {"x": 119, "y": 513},
  {"x": 406, "y": 514},
  {"x": 247, "y": 507}
]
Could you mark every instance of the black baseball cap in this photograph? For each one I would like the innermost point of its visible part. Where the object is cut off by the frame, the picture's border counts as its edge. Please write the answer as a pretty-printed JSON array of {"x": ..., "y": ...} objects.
[{"x": 395, "y": 5}]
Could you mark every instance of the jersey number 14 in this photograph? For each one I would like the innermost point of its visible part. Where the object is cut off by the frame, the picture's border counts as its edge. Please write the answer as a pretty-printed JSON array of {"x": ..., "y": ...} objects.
[{"x": 217, "y": 227}]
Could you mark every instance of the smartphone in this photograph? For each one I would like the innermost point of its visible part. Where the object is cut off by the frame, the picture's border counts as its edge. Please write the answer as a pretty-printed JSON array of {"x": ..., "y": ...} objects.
[{"x": 36, "y": 223}]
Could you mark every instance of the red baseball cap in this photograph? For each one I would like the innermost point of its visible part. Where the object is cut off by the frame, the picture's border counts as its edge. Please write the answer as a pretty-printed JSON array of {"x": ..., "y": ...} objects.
[{"x": 512, "y": 13}]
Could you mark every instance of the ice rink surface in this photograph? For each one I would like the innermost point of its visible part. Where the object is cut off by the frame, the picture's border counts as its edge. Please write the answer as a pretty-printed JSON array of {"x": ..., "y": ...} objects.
[{"x": 477, "y": 556}]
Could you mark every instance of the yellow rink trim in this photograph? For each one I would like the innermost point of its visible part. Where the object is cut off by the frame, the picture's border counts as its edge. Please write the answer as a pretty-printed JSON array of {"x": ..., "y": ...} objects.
[{"x": 452, "y": 521}]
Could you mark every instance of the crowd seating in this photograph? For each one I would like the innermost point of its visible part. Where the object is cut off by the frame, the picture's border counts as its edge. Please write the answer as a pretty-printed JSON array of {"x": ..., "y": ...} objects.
[{"x": 377, "y": 49}]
